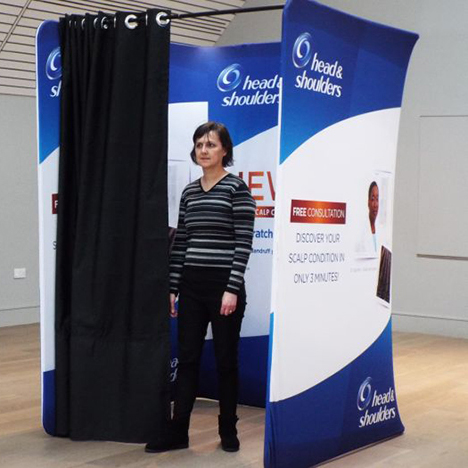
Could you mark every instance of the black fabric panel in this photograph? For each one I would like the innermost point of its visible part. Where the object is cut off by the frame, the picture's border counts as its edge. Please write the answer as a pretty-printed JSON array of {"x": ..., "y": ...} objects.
[{"x": 112, "y": 321}]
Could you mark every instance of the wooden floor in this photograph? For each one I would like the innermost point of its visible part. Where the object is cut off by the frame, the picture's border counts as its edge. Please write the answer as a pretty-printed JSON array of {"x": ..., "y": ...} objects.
[{"x": 432, "y": 389}]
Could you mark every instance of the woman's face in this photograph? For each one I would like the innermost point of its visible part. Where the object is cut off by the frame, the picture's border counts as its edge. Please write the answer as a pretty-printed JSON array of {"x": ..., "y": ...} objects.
[
  {"x": 209, "y": 151},
  {"x": 373, "y": 203}
]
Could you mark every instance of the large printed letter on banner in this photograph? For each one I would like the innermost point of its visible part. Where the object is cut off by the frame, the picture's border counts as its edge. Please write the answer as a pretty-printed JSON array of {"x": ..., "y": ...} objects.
[{"x": 331, "y": 386}]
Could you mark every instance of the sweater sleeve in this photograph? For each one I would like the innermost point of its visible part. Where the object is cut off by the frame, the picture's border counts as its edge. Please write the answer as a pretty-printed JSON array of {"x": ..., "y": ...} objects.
[
  {"x": 243, "y": 208},
  {"x": 179, "y": 249}
]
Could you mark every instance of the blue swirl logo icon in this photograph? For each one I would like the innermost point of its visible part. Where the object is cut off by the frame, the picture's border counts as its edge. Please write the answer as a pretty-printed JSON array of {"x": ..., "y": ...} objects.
[
  {"x": 364, "y": 394},
  {"x": 302, "y": 50},
  {"x": 54, "y": 65},
  {"x": 230, "y": 78}
]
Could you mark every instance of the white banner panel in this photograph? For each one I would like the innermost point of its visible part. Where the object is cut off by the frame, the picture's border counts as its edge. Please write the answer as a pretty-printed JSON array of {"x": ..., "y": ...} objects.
[{"x": 331, "y": 387}]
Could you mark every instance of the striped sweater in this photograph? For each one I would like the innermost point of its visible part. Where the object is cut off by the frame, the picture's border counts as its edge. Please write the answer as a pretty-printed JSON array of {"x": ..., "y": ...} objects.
[{"x": 215, "y": 229}]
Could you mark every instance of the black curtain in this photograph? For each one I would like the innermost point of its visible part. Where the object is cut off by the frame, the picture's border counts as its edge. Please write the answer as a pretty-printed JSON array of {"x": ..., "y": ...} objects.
[{"x": 112, "y": 291}]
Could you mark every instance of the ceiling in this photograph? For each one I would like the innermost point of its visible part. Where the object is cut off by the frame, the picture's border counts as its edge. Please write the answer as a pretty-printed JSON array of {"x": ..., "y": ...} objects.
[{"x": 19, "y": 20}]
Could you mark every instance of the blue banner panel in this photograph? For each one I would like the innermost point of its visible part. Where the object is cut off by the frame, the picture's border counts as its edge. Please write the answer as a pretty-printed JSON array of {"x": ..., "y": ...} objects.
[
  {"x": 49, "y": 74},
  {"x": 240, "y": 83},
  {"x": 338, "y": 64},
  {"x": 347, "y": 411},
  {"x": 240, "y": 87},
  {"x": 330, "y": 384},
  {"x": 48, "y": 402},
  {"x": 48, "y": 83}
]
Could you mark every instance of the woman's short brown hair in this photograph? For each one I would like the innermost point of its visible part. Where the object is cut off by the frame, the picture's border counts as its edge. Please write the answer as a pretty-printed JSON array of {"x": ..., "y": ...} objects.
[{"x": 223, "y": 135}]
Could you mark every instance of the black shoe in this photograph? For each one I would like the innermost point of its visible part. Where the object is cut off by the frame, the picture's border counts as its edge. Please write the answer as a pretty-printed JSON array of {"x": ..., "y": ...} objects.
[
  {"x": 228, "y": 433},
  {"x": 176, "y": 438}
]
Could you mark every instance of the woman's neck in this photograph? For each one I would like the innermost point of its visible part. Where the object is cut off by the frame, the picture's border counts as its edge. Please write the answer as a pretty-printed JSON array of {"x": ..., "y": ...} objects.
[{"x": 212, "y": 176}]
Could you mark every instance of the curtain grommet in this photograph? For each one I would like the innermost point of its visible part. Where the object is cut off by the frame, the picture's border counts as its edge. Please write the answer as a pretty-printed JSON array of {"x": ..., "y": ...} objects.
[
  {"x": 83, "y": 23},
  {"x": 131, "y": 21},
  {"x": 104, "y": 23},
  {"x": 95, "y": 22},
  {"x": 160, "y": 19}
]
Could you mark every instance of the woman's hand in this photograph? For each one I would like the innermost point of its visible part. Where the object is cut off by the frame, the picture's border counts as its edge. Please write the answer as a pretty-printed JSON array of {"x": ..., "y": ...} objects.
[
  {"x": 228, "y": 303},
  {"x": 172, "y": 309}
]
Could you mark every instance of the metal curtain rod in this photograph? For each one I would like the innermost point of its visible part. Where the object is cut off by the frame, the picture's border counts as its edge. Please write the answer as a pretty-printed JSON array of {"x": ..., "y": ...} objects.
[
  {"x": 177, "y": 16},
  {"x": 163, "y": 18}
]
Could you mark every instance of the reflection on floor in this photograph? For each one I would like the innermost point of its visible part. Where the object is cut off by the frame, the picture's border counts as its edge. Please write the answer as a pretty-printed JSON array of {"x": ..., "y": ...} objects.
[{"x": 432, "y": 389}]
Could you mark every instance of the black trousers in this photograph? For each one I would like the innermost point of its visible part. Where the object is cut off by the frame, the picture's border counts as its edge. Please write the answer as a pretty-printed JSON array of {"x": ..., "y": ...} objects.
[{"x": 200, "y": 295}]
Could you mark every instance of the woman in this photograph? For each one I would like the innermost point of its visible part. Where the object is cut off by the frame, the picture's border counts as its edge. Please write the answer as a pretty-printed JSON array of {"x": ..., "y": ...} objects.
[{"x": 208, "y": 261}]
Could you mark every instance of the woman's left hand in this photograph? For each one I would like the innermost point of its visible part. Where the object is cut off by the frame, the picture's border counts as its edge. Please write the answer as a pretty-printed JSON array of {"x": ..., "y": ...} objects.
[{"x": 228, "y": 303}]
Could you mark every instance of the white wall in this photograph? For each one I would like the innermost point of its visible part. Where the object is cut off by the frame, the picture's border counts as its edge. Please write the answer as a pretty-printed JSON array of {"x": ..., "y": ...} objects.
[
  {"x": 19, "y": 298},
  {"x": 430, "y": 293},
  {"x": 263, "y": 26}
]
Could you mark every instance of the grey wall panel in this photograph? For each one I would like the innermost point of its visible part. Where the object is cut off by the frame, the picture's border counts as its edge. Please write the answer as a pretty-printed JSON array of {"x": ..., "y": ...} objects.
[
  {"x": 443, "y": 187},
  {"x": 19, "y": 298}
]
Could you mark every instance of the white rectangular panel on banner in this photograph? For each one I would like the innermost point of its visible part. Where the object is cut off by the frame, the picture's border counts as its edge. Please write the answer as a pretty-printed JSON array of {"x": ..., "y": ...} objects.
[{"x": 183, "y": 119}]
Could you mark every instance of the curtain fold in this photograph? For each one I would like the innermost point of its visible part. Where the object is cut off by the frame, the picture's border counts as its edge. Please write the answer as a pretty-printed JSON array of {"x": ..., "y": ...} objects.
[{"x": 112, "y": 292}]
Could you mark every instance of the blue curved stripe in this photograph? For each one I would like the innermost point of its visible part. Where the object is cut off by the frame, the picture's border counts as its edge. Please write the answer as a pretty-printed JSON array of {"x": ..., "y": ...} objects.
[
  {"x": 48, "y": 401},
  {"x": 48, "y": 91},
  {"x": 323, "y": 422},
  {"x": 374, "y": 59}
]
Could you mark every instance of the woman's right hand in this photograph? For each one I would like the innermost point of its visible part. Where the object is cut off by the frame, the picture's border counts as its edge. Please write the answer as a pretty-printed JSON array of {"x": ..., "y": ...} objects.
[{"x": 172, "y": 310}]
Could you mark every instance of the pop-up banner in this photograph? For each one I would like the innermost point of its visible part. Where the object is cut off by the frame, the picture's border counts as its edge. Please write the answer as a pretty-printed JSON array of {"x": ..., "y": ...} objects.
[
  {"x": 238, "y": 86},
  {"x": 331, "y": 385},
  {"x": 48, "y": 85}
]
